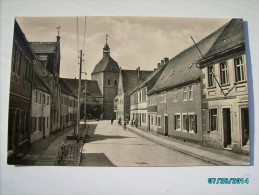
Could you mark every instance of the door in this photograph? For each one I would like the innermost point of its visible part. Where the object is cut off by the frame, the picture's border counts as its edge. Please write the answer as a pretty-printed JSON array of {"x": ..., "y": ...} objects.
[
  {"x": 245, "y": 126},
  {"x": 226, "y": 126},
  {"x": 148, "y": 122},
  {"x": 166, "y": 125}
]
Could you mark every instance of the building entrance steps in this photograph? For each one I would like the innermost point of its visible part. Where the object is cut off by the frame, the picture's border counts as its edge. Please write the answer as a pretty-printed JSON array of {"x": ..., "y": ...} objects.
[{"x": 215, "y": 156}]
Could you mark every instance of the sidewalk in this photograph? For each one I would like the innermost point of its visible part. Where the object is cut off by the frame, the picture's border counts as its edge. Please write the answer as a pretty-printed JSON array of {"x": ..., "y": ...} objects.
[
  {"x": 214, "y": 156},
  {"x": 45, "y": 152}
]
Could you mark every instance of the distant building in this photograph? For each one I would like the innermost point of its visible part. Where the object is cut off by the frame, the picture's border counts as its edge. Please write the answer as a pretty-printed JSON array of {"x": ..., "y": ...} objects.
[
  {"x": 139, "y": 99},
  {"x": 106, "y": 73},
  {"x": 20, "y": 94},
  {"x": 225, "y": 92},
  {"x": 128, "y": 80},
  {"x": 48, "y": 53}
]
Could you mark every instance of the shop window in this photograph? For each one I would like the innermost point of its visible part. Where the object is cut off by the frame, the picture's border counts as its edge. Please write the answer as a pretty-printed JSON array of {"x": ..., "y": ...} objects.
[{"x": 213, "y": 119}]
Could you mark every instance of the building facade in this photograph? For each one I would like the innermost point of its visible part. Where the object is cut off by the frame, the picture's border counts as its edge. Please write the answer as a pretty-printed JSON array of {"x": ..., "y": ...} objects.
[
  {"x": 40, "y": 113},
  {"x": 48, "y": 53},
  {"x": 106, "y": 73},
  {"x": 20, "y": 94},
  {"x": 128, "y": 80},
  {"x": 225, "y": 91},
  {"x": 139, "y": 98},
  {"x": 174, "y": 107}
]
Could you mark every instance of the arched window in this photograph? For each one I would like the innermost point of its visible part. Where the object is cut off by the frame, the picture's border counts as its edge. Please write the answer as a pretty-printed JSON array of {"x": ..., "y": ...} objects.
[
  {"x": 109, "y": 81},
  {"x": 115, "y": 83}
]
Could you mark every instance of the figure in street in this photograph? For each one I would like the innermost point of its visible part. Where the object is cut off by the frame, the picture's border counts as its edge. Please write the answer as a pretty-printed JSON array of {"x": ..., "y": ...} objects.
[
  {"x": 112, "y": 120},
  {"x": 125, "y": 125},
  {"x": 119, "y": 121}
]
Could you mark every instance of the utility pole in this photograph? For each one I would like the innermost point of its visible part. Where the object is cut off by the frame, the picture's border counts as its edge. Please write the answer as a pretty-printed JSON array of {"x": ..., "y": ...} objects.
[
  {"x": 79, "y": 94},
  {"x": 85, "y": 105}
]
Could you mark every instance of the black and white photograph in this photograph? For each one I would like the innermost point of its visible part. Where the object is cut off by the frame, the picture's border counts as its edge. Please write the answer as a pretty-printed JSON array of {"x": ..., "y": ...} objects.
[
  {"x": 129, "y": 91},
  {"x": 95, "y": 97}
]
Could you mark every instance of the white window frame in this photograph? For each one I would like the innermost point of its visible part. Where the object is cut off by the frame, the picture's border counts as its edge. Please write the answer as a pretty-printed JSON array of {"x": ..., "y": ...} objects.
[
  {"x": 242, "y": 66},
  {"x": 192, "y": 114},
  {"x": 224, "y": 72},
  {"x": 210, "y": 119},
  {"x": 210, "y": 75},
  {"x": 185, "y": 130},
  {"x": 190, "y": 92},
  {"x": 175, "y": 96},
  {"x": 159, "y": 121},
  {"x": 180, "y": 122},
  {"x": 185, "y": 94}
]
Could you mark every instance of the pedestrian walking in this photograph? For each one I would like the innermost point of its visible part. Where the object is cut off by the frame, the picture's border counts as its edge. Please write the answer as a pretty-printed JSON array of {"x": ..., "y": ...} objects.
[
  {"x": 112, "y": 120},
  {"x": 125, "y": 125},
  {"x": 119, "y": 121}
]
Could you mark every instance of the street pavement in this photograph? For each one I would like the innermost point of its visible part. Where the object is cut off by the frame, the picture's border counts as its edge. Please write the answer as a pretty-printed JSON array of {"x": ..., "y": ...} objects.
[{"x": 110, "y": 145}]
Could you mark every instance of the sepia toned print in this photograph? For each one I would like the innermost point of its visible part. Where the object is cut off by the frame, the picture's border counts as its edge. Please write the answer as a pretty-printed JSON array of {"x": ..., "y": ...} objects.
[{"x": 128, "y": 91}]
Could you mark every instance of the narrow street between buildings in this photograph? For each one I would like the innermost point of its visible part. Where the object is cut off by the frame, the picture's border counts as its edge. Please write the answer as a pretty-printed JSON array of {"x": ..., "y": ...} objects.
[{"x": 110, "y": 145}]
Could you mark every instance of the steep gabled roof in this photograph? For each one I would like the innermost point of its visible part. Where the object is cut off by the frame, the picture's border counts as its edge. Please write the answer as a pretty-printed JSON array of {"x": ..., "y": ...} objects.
[
  {"x": 131, "y": 79},
  {"x": 107, "y": 63},
  {"x": 182, "y": 68},
  {"x": 151, "y": 79},
  {"x": 71, "y": 87},
  {"x": 43, "y": 47},
  {"x": 231, "y": 38},
  {"x": 92, "y": 88},
  {"x": 39, "y": 83}
]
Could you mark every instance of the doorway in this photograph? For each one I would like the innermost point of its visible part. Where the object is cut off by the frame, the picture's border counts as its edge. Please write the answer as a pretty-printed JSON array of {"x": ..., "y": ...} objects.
[
  {"x": 226, "y": 114},
  {"x": 166, "y": 125},
  {"x": 245, "y": 126},
  {"x": 148, "y": 122}
]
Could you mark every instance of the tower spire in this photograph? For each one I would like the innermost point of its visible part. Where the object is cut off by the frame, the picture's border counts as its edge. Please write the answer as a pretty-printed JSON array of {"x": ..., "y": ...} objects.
[{"x": 106, "y": 48}]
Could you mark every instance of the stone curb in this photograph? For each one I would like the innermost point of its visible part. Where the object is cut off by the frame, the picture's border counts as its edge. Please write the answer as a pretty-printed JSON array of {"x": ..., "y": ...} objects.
[{"x": 201, "y": 157}]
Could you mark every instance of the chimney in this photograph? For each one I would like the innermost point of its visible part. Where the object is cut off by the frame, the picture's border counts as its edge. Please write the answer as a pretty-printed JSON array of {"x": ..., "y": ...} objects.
[
  {"x": 166, "y": 60},
  {"x": 162, "y": 62},
  {"x": 158, "y": 65},
  {"x": 138, "y": 69}
]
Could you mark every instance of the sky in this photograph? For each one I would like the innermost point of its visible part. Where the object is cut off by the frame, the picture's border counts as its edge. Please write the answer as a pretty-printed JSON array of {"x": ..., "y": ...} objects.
[{"x": 133, "y": 41}]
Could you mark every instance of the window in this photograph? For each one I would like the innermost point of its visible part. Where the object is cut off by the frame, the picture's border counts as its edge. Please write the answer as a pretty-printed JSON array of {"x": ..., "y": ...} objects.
[
  {"x": 175, "y": 95},
  {"x": 18, "y": 62},
  {"x": 155, "y": 120},
  {"x": 47, "y": 122},
  {"x": 210, "y": 76},
  {"x": 159, "y": 121},
  {"x": 185, "y": 94},
  {"x": 109, "y": 81},
  {"x": 43, "y": 98},
  {"x": 163, "y": 98},
  {"x": 115, "y": 83},
  {"x": 39, "y": 124},
  {"x": 36, "y": 96},
  {"x": 223, "y": 73},
  {"x": 213, "y": 119},
  {"x": 177, "y": 122},
  {"x": 151, "y": 119},
  {"x": 39, "y": 97},
  {"x": 190, "y": 92},
  {"x": 47, "y": 100},
  {"x": 239, "y": 69},
  {"x": 14, "y": 57},
  {"x": 193, "y": 123},
  {"x": 185, "y": 122}
]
